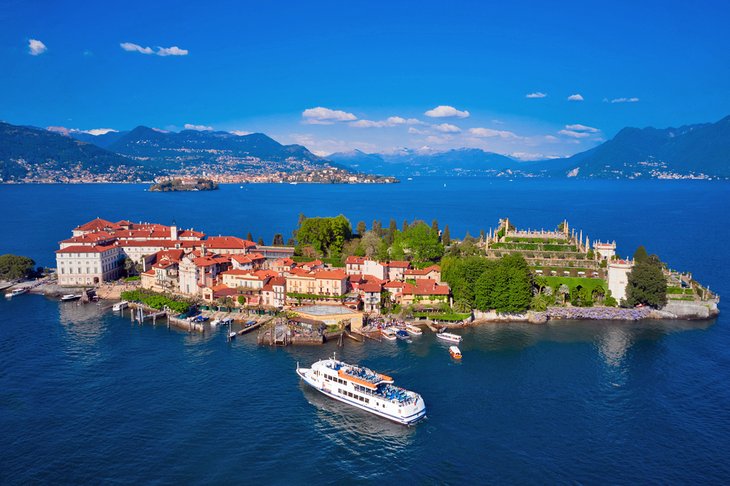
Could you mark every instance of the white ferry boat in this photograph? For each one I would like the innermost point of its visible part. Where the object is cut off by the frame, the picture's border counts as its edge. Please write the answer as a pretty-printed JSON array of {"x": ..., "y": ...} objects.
[
  {"x": 365, "y": 389},
  {"x": 449, "y": 337}
]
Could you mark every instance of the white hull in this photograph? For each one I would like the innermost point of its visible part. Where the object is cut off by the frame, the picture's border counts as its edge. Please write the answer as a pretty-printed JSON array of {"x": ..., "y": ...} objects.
[
  {"x": 402, "y": 413},
  {"x": 449, "y": 338},
  {"x": 120, "y": 306}
]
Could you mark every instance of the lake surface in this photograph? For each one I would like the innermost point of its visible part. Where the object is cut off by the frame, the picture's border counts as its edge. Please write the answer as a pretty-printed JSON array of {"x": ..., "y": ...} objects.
[{"x": 87, "y": 397}]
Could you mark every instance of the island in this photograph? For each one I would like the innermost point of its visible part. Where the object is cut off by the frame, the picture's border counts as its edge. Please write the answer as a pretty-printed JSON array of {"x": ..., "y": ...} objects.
[
  {"x": 179, "y": 185},
  {"x": 331, "y": 278}
]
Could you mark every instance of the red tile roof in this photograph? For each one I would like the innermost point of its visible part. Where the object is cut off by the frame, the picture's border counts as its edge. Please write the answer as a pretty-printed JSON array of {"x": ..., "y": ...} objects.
[
  {"x": 355, "y": 260},
  {"x": 86, "y": 249},
  {"x": 227, "y": 243},
  {"x": 426, "y": 287},
  {"x": 372, "y": 287},
  {"x": 330, "y": 274},
  {"x": 399, "y": 264},
  {"x": 97, "y": 225}
]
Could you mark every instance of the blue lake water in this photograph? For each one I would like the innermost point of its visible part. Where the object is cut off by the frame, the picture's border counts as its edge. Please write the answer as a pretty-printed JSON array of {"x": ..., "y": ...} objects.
[{"x": 86, "y": 397}]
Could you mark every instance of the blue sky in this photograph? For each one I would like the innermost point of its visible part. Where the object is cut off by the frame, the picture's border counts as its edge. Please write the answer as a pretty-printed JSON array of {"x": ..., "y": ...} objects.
[{"x": 367, "y": 73}]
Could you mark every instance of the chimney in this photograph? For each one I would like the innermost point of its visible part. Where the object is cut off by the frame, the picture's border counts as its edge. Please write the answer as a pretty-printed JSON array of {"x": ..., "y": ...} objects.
[{"x": 202, "y": 249}]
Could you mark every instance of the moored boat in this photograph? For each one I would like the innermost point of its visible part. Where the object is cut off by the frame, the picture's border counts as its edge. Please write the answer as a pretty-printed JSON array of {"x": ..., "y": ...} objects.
[
  {"x": 388, "y": 333},
  {"x": 18, "y": 291},
  {"x": 249, "y": 326},
  {"x": 120, "y": 306},
  {"x": 413, "y": 330},
  {"x": 449, "y": 337},
  {"x": 455, "y": 352},
  {"x": 70, "y": 297},
  {"x": 365, "y": 389},
  {"x": 403, "y": 335}
]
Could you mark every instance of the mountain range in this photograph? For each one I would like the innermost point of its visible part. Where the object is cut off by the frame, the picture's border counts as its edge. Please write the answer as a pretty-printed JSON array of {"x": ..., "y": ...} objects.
[
  {"x": 701, "y": 150},
  {"x": 30, "y": 154},
  {"x": 59, "y": 155}
]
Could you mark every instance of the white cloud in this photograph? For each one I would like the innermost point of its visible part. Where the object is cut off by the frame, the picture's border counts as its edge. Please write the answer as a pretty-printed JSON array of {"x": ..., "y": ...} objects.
[
  {"x": 240, "y": 133},
  {"x": 447, "y": 128},
  {"x": 392, "y": 121},
  {"x": 36, "y": 47},
  {"x": 575, "y": 97},
  {"x": 581, "y": 128},
  {"x": 161, "y": 51},
  {"x": 444, "y": 111},
  {"x": 100, "y": 131},
  {"x": 488, "y": 132},
  {"x": 93, "y": 131},
  {"x": 574, "y": 134},
  {"x": 416, "y": 131},
  {"x": 536, "y": 94},
  {"x": 200, "y": 128},
  {"x": 171, "y": 51},
  {"x": 625, "y": 100},
  {"x": 328, "y": 146},
  {"x": 326, "y": 116},
  {"x": 130, "y": 47}
]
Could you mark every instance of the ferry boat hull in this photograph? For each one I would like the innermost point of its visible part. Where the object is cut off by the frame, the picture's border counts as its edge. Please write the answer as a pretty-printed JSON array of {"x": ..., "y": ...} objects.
[
  {"x": 405, "y": 415},
  {"x": 448, "y": 337}
]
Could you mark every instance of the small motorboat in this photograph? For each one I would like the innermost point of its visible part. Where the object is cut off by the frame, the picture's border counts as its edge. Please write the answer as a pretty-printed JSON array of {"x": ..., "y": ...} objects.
[
  {"x": 455, "y": 352},
  {"x": 226, "y": 321},
  {"x": 389, "y": 334},
  {"x": 413, "y": 330},
  {"x": 402, "y": 335},
  {"x": 215, "y": 322},
  {"x": 18, "y": 291},
  {"x": 249, "y": 326},
  {"x": 120, "y": 306},
  {"x": 449, "y": 337},
  {"x": 70, "y": 297},
  {"x": 231, "y": 335}
]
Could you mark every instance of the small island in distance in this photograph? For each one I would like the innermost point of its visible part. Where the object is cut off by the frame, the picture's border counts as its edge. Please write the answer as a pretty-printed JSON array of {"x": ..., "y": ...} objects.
[{"x": 179, "y": 185}]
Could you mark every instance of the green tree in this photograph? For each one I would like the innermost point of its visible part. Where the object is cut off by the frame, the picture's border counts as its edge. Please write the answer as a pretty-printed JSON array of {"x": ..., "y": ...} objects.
[
  {"x": 420, "y": 242},
  {"x": 405, "y": 226},
  {"x": 446, "y": 236},
  {"x": 260, "y": 242},
  {"x": 640, "y": 255},
  {"x": 278, "y": 240},
  {"x": 377, "y": 227},
  {"x": 435, "y": 225},
  {"x": 370, "y": 243},
  {"x": 249, "y": 236},
  {"x": 646, "y": 282},
  {"x": 13, "y": 267},
  {"x": 326, "y": 235},
  {"x": 361, "y": 228}
]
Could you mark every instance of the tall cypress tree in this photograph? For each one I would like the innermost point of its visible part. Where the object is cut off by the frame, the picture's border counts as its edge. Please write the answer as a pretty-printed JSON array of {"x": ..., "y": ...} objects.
[{"x": 446, "y": 236}]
